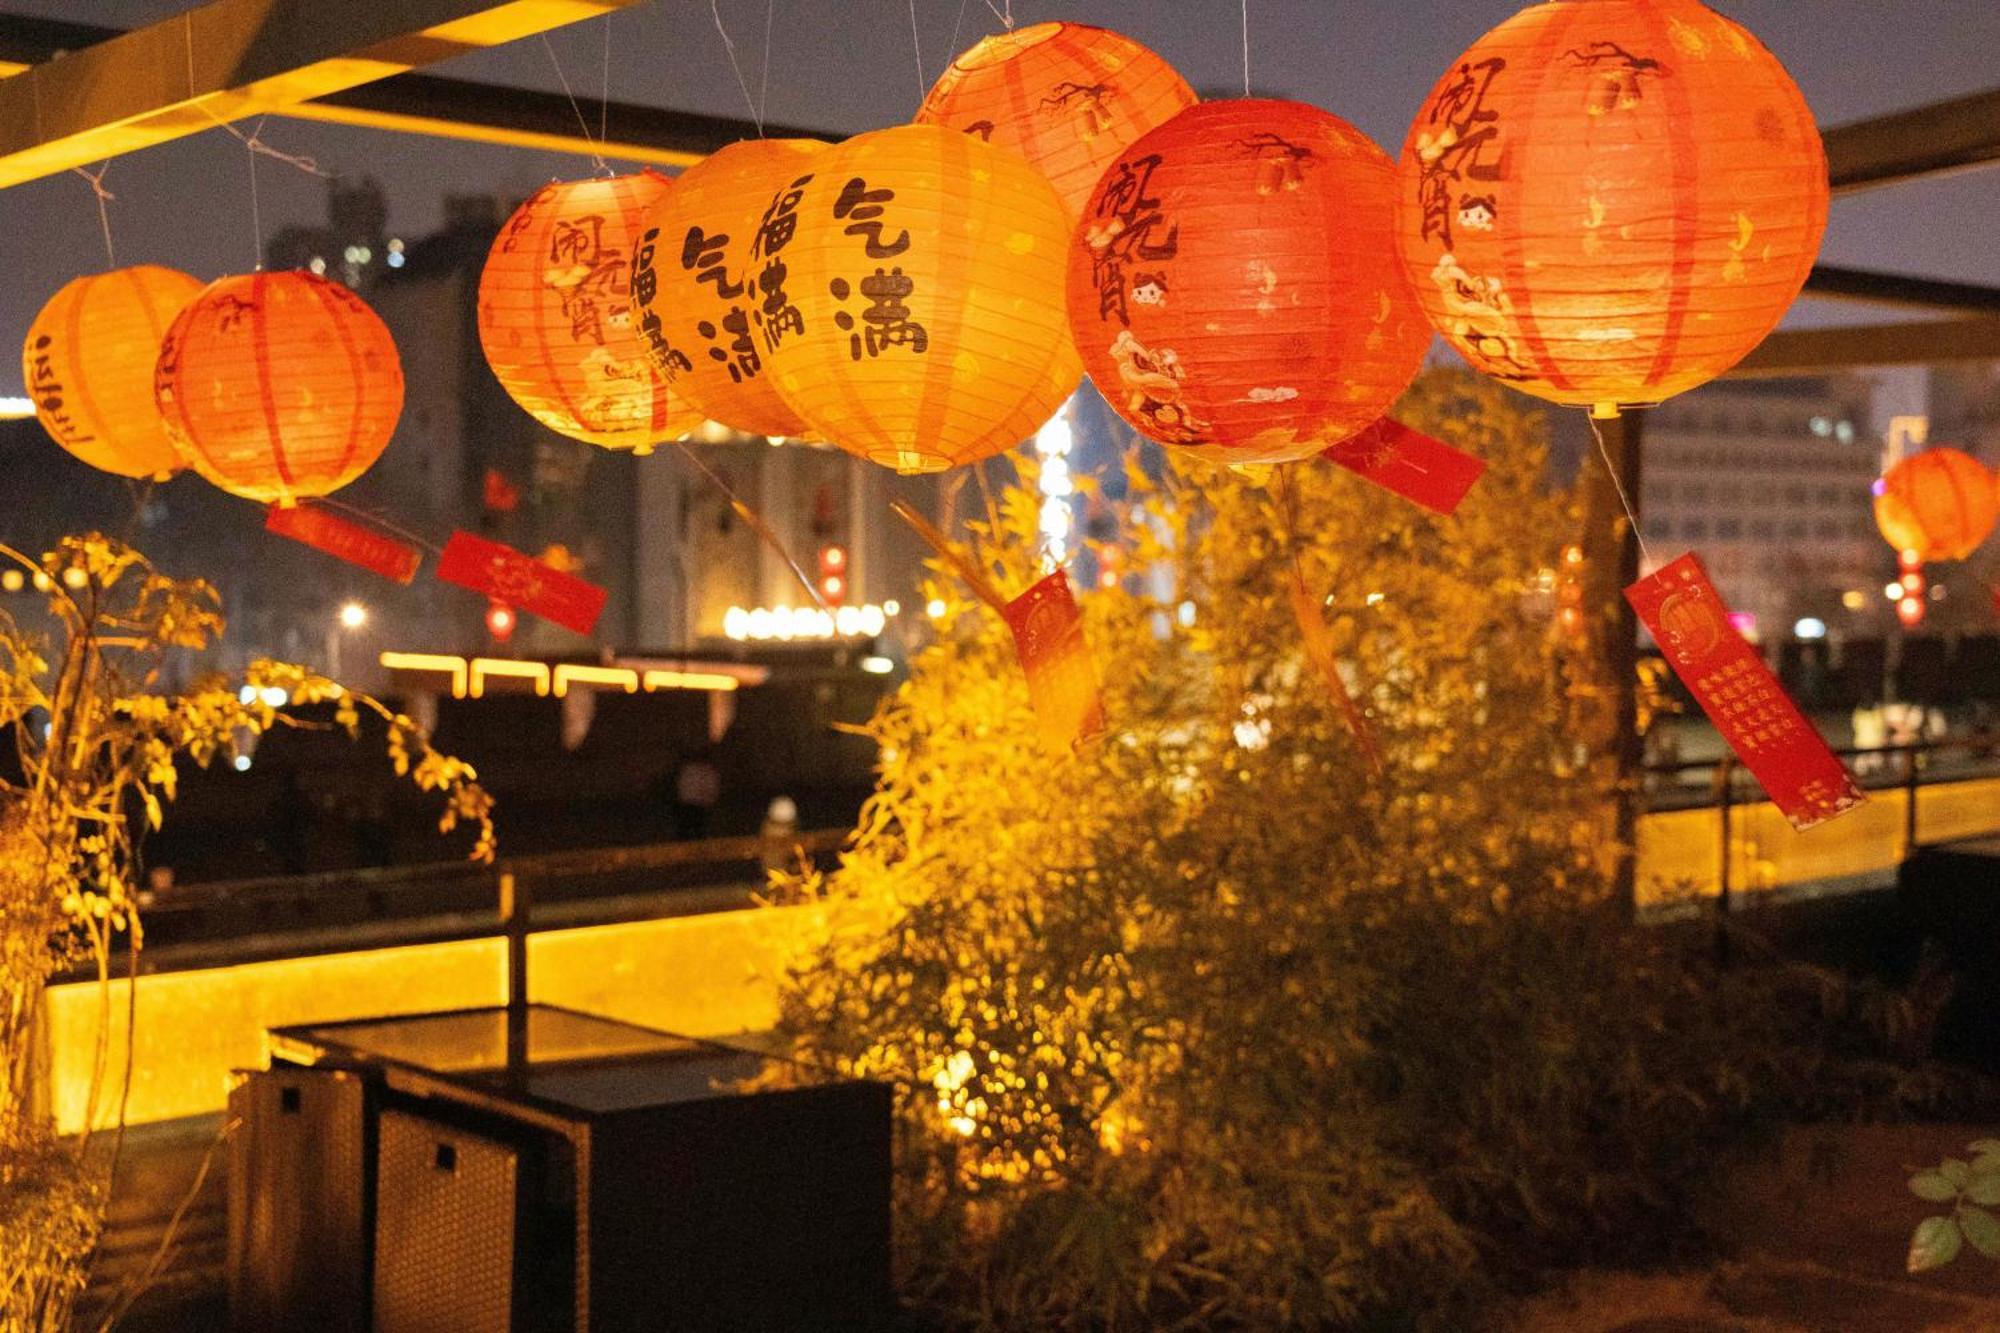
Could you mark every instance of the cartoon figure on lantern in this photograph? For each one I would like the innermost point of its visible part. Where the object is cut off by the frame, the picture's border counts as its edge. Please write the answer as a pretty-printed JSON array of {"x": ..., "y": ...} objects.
[
  {"x": 1482, "y": 315},
  {"x": 1093, "y": 112},
  {"x": 1282, "y": 162},
  {"x": 1616, "y": 76},
  {"x": 1476, "y": 212},
  {"x": 1149, "y": 289},
  {"x": 1152, "y": 380}
]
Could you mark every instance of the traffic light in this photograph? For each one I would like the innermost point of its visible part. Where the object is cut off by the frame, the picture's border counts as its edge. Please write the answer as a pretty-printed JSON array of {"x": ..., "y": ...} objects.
[
  {"x": 833, "y": 574},
  {"x": 1910, "y": 606},
  {"x": 500, "y": 621}
]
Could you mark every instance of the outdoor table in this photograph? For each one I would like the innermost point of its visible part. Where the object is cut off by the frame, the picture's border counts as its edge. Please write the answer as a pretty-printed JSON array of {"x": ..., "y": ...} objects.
[{"x": 542, "y": 1168}]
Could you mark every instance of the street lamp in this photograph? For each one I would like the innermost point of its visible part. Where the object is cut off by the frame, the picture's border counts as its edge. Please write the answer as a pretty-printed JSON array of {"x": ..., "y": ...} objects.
[{"x": 351, "y": 616}]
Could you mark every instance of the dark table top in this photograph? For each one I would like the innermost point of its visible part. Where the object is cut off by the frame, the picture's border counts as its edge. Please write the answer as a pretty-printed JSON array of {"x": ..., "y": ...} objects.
[{"x": 560, "y": 1061}]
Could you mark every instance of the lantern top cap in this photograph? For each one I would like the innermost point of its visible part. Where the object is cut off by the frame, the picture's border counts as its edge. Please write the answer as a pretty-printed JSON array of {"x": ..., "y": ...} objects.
[{"x": 1003, "y": 46}]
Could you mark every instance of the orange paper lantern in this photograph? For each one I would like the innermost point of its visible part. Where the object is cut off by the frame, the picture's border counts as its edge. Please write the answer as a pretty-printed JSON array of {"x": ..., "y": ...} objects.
[
  {"x": 555, "y": 315},
  {"x": 88, "y": 363},
  {"x": 1066, "y": 96},
  {"x": 709, "y": 285},
  {"x": 1233, "y": 284},
  {"x": 278, "y": 386},
  {"x": 927, "y": 272},
  {"x": 1611, "y": 202},
  {"x": 1936, "y": 505}
]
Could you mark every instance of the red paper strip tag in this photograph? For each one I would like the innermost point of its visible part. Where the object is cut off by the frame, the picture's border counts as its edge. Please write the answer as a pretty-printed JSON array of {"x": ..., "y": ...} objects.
[
  {"x": 506, "y": 575},
  {"x": 1325, "y": 657},
  {"x": 1413, "y": 465},
  {"x": 343, "y": 539},
  {"x": 1742, "y": 698},
  {"x": 1062, "y": 678}
]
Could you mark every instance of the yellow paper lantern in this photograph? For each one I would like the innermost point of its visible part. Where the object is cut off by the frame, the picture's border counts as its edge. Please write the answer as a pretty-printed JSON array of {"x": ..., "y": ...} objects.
[
  {"x": 709, "y": 285},
  {"x": 279, "y": 386},
  {"x": 927, "y": 270},
  {"x": 555, "y": 315},
  {"x": 88, "y": 364},
  {"x": 1611, "y": 202}
]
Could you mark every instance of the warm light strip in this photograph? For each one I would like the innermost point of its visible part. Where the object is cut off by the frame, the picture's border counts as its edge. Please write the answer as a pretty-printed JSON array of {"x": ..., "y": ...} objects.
[
  {"x": 451, "y": 666},
  {"x": 622, "y": 678},
  {"x": 690, "y": 680},
  {"x": 468, "y": 679},
  {"x": 482, "y": 667}
]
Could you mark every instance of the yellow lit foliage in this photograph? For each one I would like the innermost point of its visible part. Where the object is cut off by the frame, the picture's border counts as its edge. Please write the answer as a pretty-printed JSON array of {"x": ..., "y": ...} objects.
[
  {"x": 98, "y": 734},
  {"x": 1206, "y": 1023}
]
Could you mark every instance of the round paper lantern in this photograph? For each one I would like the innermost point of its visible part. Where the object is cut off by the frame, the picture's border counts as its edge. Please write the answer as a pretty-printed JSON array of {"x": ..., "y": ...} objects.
[
  {"x": 1066, "y": 96},
  {"x": 1233, "y": 285},
  {"x": 278, "y": 386},
  {"x": 926, "y": 271},
  {"x": 88, "y": 364},
  {"x": 1936, "y": 505},
  {"x": 709, "y": 285},
  {"x": 555, "y": 315},
  {"x": 1611, "y": 202}
]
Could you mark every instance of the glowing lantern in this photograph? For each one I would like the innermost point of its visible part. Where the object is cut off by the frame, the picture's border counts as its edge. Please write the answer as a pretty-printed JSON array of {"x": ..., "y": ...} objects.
[
  {"x": 927, "y": 270},
  {"x": 709, "y": 284},
  {"x": 1936, "y": 505},
  {"x": 1066, "y": 96},
  {"x": 1233, "y": 285},
  {"x": 555, "y": 315},
  {"x": 277, "y": 386},
  {"x": 1611, "y": 202},
  {"x": 88, "y": 364}
]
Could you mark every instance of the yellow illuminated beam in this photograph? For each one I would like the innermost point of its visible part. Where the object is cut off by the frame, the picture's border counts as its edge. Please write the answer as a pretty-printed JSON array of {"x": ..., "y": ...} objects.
[
  {"x": 229, "y": 59},
  {"x": 617, "y": 678},
  {"x": 483, "y": 667},
  {"x": 444, "y": 662},
  {"x": 690, "y": 680}
]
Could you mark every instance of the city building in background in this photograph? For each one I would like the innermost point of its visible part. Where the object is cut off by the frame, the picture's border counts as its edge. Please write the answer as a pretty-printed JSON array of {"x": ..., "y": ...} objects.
[{"x": 1768, "y": 482}]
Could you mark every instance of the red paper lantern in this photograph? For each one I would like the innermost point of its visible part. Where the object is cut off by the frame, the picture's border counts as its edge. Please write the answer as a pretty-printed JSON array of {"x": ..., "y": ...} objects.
[
  {"x": 1233, "y": 285},
  {"x": 1066, "y": 96},
  {"x": 927, "y": 275},
  {"x": 555, "y": 315},
  {"x": 279, "y": 386},
  {"x": 708, "y": 286},
  {"x": 88, "y": 364},
  {"x": 1936, "y": 505},
  {"x": 1611, "y": 202}
]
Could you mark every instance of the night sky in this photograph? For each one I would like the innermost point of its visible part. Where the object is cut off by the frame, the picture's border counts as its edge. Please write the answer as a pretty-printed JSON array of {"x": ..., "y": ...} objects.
[{"x": 847, "y": 65}]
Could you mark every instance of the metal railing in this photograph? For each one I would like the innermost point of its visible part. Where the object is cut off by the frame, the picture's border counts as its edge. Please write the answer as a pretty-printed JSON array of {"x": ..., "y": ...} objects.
[
  {"x": 1905, "y": 767},
  {"x": 461, "y": 898}
]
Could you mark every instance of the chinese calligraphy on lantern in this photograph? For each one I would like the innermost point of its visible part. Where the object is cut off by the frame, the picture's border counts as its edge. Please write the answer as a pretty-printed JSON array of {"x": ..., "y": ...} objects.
[{"x": 884, "y": 320}]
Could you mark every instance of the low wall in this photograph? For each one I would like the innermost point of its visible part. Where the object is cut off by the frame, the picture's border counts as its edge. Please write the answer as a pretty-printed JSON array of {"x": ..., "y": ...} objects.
[{"x": 707, "y": 975}]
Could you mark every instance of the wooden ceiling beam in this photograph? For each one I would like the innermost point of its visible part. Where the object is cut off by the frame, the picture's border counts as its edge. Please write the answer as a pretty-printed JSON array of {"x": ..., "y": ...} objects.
[{"x": 228, "y": 59}]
